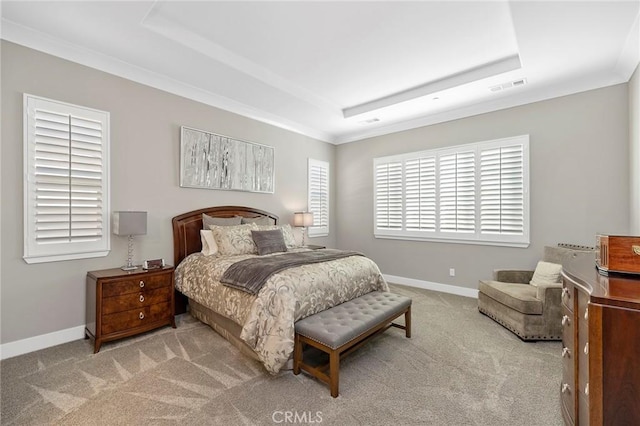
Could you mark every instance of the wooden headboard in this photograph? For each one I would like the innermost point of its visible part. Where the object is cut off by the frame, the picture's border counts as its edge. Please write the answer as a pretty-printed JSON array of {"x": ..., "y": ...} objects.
[{"x": 187, "y": 226}]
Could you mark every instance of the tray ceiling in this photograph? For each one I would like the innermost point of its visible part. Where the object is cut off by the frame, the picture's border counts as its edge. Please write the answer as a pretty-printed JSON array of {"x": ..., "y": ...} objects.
[{"x": 343, "y": 71}]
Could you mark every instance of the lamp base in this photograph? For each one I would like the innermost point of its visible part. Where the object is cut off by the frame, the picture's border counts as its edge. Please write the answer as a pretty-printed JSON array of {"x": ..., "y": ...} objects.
[{"x": 129, "y": 266}]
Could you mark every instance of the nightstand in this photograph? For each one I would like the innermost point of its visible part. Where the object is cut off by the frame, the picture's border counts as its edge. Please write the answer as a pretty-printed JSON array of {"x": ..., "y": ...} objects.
[
  {"x": 125, "y": 303},
  {"x": 314, "y": 247}
]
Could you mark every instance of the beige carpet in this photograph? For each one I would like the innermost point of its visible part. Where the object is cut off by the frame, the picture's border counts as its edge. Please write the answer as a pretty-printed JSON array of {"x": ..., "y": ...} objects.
[{"x": 459, "y": 368}]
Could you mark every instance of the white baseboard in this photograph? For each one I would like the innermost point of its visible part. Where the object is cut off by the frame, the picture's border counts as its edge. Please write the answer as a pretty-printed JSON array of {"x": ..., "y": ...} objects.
[
  {"x": 428, "y": 285},
  {"x": 19, "y": 347}
]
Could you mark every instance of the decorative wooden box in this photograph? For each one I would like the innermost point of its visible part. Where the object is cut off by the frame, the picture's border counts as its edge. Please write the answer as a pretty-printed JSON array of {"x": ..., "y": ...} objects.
[{"x": 618, "y": 254}]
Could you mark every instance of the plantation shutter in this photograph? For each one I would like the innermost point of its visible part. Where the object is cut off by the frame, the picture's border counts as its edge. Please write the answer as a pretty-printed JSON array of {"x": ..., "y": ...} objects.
[
  {"x": 66, "y": 191},
  {"x": 388, "y": 189},
  {"x": 319, "y": 197},
  {"x": 475, "y": 193},
  {"x": 457, "y": 192},
  {"x": 502, "y": 190},
  {"x": 420, "y": 194}
]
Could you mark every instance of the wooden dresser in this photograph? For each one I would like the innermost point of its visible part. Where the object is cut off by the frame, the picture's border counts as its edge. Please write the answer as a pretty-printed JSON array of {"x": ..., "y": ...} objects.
[
  {"x": 124, "y": 303},
  {"x": 601, "y": 346}
]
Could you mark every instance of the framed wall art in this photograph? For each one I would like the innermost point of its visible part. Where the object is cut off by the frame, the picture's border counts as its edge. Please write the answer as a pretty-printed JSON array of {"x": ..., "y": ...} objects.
[{"x": 212, "y": 161}]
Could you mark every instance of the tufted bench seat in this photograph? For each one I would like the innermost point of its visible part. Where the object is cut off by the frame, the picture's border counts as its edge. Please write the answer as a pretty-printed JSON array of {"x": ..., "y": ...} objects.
[{"x": 345, "y": 327}]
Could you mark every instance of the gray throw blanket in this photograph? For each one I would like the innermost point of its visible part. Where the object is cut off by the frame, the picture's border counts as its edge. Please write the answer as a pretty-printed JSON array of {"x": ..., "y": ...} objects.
[{"x": 251, "y": 274}]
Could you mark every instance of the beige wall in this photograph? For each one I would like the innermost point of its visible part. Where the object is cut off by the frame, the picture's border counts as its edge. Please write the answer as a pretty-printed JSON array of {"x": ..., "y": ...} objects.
[
  {"x": 145, "y": 128},
  {"x": 579, "y": 185},
  {"x": 580, "y": 181},
  {"x": 634, "y": 147}
]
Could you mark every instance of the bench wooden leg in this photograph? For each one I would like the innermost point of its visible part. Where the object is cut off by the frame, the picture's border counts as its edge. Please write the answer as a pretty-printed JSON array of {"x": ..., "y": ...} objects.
[
  {"x": 333, "y": 378},
  {"x": 334, "y": 371},
  {"x": 297, "y": 354}
]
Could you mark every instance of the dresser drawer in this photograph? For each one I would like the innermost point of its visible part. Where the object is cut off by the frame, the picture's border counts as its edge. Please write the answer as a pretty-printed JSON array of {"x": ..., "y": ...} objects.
[
  {"x": 137, "y": 300},
  {"x": 135, "y": 318},
  {"x": 568, "y": 363},
  {"x": 135, "y": 284},
  {"x": 568, "y": 328},
  {"x": 583, "y": 409},
  {"x": 583, "y": 348},
  {"x": 567, "y": 396},
  {"x": 567, "y": 387},
  {"x": 567, "y": 295}
]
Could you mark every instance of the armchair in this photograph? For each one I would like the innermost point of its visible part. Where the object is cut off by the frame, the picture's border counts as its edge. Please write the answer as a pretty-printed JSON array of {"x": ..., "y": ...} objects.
[{"x": 532, "y": 312}]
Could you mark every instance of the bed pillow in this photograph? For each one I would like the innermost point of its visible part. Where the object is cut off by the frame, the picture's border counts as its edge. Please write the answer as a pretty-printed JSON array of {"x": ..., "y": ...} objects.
[
  {"x": 287, "y": 233},
  {"x": 545, "y": 273},
  {"x": 264, "y": 220},
  {"x": 268, "y": 242},
  {"x": 207, "y": 221},
  {"x": 209, "y": 246},
  {"x": 233, "y": 240}
]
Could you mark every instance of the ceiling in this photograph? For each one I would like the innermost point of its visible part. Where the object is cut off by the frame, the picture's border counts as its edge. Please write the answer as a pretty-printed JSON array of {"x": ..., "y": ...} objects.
[{"x": 342, "y": 71}]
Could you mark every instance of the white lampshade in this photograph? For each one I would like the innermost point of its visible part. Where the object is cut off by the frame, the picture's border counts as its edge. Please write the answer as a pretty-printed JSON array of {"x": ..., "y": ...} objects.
[
  {"x": 129, "y": 223},
  {"x": 303, "y": 219}
]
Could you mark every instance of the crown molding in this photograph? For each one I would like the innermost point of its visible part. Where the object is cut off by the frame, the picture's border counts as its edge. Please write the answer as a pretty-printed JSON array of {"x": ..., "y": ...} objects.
[{"x": 44, "y": 43}]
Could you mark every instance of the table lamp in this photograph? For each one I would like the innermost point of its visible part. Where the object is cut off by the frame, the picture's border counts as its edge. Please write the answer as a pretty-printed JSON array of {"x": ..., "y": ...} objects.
[
  {"x": 303, "y": 220},
  {"x": 129, "y": 223}
]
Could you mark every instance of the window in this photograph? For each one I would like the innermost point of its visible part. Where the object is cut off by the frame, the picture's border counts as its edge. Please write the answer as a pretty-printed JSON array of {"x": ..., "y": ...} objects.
[
  {"x": 319, "y": 197},
  {"x": 475, "y": 193},
  {"x": 66, "y": 196}
]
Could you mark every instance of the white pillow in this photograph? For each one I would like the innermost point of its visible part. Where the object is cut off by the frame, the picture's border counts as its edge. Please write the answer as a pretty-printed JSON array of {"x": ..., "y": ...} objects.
[
  {"x": 209, "y": 246},
  {"x": 546, "y": 273}
]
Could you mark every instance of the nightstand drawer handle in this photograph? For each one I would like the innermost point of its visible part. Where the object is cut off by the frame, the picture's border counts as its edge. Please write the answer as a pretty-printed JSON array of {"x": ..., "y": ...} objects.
[
  {"x": 565, "y": 388},
  {"x": 141, "y": 316},
  {"x": 586, "y": 313},
  {"x": 565, "y": 292},
  {"x": 586, "y": 348},
  {"x": 565, "y": 352},
  {"x": 141, "y": 284},
  {"x": 141, "y": 298},
  {"x": 565, "y": 320},
  {"x": 586, "y": 389}
]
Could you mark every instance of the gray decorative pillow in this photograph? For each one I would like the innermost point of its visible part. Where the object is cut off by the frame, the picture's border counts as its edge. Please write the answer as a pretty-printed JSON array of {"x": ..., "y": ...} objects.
[
  {"x": 287, "y": 233},
  {"x": 234, "y": 240},
  {"x": 207, "y": 221},
  {"x": 264, "y": 220},
  {"x": 269, "y": 241}
]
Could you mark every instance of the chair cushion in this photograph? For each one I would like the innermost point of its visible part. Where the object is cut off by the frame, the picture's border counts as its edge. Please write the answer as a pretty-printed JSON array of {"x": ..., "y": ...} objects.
[{"x": 521, "y": 297}]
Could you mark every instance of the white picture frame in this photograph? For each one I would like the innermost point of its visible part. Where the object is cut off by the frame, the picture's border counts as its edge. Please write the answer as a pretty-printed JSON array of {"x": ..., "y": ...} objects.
[{"x": 212, "y": 161}]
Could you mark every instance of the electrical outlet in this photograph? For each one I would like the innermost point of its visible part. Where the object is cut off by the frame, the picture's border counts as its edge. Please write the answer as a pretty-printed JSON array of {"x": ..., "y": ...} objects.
[{"x": 452, "y": 272}]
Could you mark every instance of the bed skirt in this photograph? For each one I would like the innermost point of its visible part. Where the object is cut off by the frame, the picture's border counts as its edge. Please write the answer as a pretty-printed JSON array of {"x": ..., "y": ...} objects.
[{"x": 223, "y": 326}]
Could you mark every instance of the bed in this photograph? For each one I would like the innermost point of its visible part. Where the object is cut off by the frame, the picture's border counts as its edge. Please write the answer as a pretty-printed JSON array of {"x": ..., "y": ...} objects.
[{"x": 262, "y": 325}]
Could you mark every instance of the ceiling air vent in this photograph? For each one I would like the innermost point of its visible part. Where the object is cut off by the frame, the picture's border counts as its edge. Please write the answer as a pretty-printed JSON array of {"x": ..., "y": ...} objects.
[
  {"x": 369, "y": 121},
  {"x": 508, "y": 85}
]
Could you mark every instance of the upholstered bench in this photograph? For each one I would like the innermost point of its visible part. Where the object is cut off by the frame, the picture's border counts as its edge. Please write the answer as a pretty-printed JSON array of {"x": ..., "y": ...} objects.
[{"x": 345, "y": 327}]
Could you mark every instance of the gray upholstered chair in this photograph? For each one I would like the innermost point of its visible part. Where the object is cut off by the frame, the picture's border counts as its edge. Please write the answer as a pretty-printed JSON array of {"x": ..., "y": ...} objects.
[{"x": 531, "y": 312}]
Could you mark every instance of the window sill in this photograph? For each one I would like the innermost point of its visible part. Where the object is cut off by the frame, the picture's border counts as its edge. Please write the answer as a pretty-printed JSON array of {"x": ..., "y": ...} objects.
[
  {"x": 318, "y": 235},
  {"x": 61, "y": 257},
  {"x": 519, "y": 244}
]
